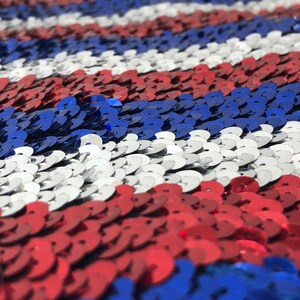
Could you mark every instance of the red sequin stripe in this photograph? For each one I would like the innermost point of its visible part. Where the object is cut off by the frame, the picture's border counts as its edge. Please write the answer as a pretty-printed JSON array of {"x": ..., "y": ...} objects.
[
  {"x": 155, "y": 27},
  {"x": 29, "y": 93},
  {"x": 242, "y": 223}
]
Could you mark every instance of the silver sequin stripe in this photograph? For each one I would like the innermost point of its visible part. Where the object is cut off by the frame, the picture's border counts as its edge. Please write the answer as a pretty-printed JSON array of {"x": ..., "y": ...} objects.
[
  {"x": 139, "y": 15},
  {"x": 233, "y": 51},
  {"x": 93, "y": 172}
]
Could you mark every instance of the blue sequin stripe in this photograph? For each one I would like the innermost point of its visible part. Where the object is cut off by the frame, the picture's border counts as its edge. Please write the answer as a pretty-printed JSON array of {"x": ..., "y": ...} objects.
[
  {"x": 62, "y": 127},
  {"x": 277, "y": 278},
  {"x": 31, "y": 50},
  {"x": 97, "y": 8}
]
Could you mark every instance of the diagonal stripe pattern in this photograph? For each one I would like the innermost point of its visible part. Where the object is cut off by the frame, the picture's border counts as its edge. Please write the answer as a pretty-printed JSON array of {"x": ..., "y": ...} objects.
[{"x": 149, "y": 149}]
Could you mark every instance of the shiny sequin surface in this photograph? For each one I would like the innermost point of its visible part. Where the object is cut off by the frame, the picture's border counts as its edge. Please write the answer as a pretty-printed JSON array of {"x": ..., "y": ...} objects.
[{"x": 150, "y": 149}]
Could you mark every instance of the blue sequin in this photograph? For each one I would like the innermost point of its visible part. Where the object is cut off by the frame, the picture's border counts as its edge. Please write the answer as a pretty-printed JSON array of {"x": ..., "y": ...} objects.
[
  {"x": 49, "y": 48},
  {"x": 72, "y": 118}
]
